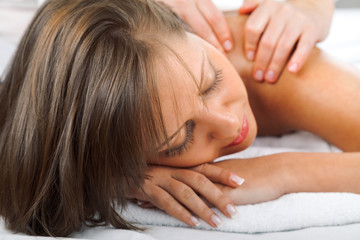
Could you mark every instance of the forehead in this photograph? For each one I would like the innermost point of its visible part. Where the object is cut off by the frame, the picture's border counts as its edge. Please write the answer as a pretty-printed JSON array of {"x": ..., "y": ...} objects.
[{"x": 179, "y": 74}]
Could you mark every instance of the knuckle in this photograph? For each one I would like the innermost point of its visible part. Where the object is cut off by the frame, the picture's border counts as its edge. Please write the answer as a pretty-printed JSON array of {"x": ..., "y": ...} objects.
[
  {"x": 187, "y": 193},
  {"x": 167, "y": 202},
  {"x": 201, "y": 180},
  {"x": 252, "y": 31},
  {"x": 285, "y": 8},
  {"x": 267, "y": 44},
  {"x": 215, "y": 19}
]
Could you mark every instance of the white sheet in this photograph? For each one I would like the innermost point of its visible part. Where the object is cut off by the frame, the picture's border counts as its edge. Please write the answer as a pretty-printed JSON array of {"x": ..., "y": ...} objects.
[{"x": 343, "y": 42}]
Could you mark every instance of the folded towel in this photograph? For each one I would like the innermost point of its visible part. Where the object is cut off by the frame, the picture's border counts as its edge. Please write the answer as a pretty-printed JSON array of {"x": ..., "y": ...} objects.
[{"x": 292, "y": 211}]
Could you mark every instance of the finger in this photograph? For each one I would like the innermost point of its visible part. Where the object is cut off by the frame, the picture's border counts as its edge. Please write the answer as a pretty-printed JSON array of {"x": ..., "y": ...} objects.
[
  {"x": 217, "y": 22},
  {"x": 203, "y": 186},
  {"x": 163, "y": 200},
  {"x": 201, "y": 27},
  {"x": 219, "y": 175},
  {"x": 192, "y": 201},
  {"x": 267, "y": 46},
  {"x": 302, "y": 52},
  {"x": 249, "y": 6},
  {"x": 283, "y": 50},
  {"x": 254, "y": 27}
]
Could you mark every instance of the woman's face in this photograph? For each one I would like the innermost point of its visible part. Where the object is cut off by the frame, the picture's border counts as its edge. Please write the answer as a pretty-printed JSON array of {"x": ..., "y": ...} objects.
[{"x": 206, "y": 115}]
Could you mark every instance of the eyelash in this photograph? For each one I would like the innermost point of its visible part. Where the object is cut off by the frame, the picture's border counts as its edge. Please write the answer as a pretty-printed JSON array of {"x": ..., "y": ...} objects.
[
  {"x": 190, "y": 124},
  {"x": 187, "y": 143},
  {"x": 214, "y": 86}
]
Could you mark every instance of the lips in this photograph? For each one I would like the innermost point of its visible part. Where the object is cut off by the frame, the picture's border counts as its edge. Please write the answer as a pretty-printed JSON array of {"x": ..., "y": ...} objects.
[{"x": 242, "y": 135}]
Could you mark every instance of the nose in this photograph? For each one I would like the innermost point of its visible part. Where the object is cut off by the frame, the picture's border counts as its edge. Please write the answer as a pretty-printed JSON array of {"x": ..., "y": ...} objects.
[{"x": 223, "y": 122}]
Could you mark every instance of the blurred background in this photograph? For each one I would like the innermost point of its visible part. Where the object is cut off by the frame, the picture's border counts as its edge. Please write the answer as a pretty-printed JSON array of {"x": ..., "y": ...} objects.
[
  {"x": 34, "y": 3},
  {"x": 348, "y": 4}
]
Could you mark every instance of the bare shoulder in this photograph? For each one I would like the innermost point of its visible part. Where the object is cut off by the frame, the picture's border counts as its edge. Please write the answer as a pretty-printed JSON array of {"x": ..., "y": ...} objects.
[{"x": 322, "y": 98}]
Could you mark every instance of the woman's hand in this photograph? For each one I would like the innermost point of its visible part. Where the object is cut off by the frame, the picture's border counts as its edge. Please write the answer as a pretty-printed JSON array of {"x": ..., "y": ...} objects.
[
  {"x": 177, "y": 192},
  {"x": 274, "y": 29},
  {"x": 206, "y": 20},
  {"x": 266, "y": 178}
]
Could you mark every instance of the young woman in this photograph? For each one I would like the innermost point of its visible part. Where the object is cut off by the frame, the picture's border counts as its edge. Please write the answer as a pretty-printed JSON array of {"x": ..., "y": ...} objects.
[{"x": 107, "y": 100}]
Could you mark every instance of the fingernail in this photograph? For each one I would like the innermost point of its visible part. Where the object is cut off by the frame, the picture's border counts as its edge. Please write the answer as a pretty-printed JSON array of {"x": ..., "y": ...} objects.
[
  {"x": 139, "y": 202},
  {"x": 293, "y": 67},
  {"x": 236, "y": 179},
  {"x": 216, "y": 220},
  {"x": 195, "y": 221},
  {"x": 231, "y": 210},
  {"x": 270, "y": 75},
  {"x": 250, "y": 55},
  {"x": 227, "y": 45},
  {"x": 259, "y": 75}
]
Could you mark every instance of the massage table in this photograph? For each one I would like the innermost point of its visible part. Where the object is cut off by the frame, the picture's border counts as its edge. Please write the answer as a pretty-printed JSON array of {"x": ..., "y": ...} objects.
[{"x": 342, "y": 223}]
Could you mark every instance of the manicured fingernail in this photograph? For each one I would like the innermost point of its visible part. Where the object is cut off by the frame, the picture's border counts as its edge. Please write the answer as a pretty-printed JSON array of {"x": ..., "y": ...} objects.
[
  {"x": 293, "y": 67},
  {"x": 259, "y": 75},
  {"x": 231, "y": 210},
  {"x": 236, "y": 179},
  {"x": 139, "y": 202},
  {"x": 216, "y": 220},
  {"x": 270, "y": 75},
  {"x": 227, "y": 45},
  {"x": 250, "y": 55},
  {"x": 195, "y": 221}
]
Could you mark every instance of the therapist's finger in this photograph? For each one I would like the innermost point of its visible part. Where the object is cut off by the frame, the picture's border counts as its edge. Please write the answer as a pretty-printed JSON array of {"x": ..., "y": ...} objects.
[
  {"x": 283, "y": 50},
  {"x": 217, "y": 22},
  {"x": 249, "y": 6},
  {"x": 254, "y": 28},
  {"x": 302, "y": 52},
  {"x": 266, "y": 49},
  {"x": 201, "y": 27}
]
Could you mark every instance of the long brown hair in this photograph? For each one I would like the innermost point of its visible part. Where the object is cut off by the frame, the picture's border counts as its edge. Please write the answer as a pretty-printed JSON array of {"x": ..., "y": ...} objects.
[{"x": 79, "y": 113}]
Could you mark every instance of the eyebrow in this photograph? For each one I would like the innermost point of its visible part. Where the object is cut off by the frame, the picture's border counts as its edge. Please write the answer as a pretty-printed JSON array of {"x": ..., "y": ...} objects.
[{"x": 202, "y": 77}]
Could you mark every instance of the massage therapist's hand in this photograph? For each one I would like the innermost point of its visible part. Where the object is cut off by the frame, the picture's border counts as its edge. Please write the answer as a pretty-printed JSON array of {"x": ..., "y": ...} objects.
[
  {"x": 176, "y": 191},
  {"x": 266, "y": 179},
  {"x": 274, "y": 29},
  {"x": 206, "y": 20}
]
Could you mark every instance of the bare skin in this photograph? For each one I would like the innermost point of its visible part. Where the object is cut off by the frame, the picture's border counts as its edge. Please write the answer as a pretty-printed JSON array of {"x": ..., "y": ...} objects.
[{"x": 319, "y": 98}]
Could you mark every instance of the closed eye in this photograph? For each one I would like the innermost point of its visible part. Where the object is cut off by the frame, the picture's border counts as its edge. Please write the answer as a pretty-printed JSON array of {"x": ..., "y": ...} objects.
[
  {"x": 186, "y": 144},
  {"x": 217, "y": 79}
]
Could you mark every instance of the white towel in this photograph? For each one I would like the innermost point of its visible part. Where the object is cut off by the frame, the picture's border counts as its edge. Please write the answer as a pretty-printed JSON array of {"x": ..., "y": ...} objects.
[{"x": 292, "y": 211}]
